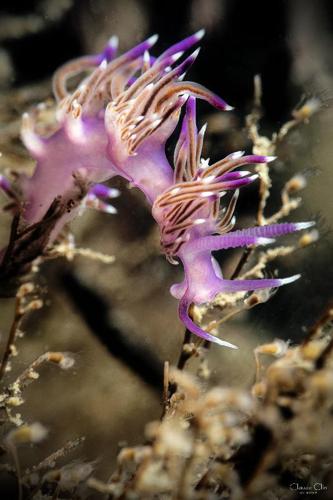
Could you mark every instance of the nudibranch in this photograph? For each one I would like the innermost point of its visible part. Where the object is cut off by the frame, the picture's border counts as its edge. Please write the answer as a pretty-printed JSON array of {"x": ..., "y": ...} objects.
[{"x": 116, "y": 123}]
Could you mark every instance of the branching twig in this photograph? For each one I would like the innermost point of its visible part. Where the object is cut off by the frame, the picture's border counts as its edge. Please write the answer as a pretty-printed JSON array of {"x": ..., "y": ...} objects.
[
  {"x": 29, "y": 374},
  {"x": 18, "y": 315},
  {"x": 50, "y": 461},
  {"x": 21, "y": 308},
  {"x": 320, "y": 324}
]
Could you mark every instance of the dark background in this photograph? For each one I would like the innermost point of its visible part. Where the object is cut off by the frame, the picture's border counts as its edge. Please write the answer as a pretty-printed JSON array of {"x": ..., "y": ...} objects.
[{"x": 243, "y": 39}]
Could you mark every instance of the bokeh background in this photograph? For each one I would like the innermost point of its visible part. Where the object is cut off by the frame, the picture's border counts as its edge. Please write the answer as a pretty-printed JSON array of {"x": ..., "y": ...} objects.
[{"x": 290, "y": 45}]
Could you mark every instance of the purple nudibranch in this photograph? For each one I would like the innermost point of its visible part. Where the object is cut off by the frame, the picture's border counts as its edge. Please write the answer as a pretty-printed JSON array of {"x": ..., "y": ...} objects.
[{"x": 117, "y": 122}]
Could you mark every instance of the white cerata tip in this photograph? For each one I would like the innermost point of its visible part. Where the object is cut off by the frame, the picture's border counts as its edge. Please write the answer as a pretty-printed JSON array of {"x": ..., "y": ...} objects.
[
  {"x": 304, "y": 225},
  {"x": 236, "y": 155},
  {"x": 152, "y": 39},
  {"x": 270, "y": 158},
  {"x": 199, "y": 34},
  {"x": 113, "y": 42},
  {"x": 224, "y": 343},
  {"x": 291, "y": 279}
]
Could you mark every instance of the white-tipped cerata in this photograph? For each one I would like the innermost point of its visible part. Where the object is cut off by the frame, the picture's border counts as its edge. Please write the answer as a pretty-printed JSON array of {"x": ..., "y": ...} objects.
[
  {"x": 199, "y": 34},
  {"x": 113, "y": 42},
  {"x": 152, "y": 40},
  {"x": 224, "y": 343},
  {"x": 236, "y": 155}
]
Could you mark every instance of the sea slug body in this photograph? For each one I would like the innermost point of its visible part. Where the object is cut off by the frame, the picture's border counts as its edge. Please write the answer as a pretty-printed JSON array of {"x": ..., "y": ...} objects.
[{"x": 116, "y": 123}]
